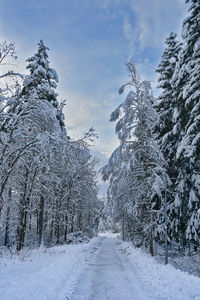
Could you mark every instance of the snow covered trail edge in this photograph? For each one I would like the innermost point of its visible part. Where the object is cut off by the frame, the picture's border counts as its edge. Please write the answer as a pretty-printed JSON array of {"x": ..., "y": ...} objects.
[
  {"x": 44, "y": 274},
  {"x": 167, "y": 282}
]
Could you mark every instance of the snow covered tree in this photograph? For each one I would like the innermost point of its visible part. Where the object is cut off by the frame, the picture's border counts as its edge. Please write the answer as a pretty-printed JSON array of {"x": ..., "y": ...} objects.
[
  {"x": 187, "y": 125},
  {"x": 40, "y": 86},
  {"x": 136, "y": 166},
  {"x": 48, "y": 183},
  {"x": 51, "y": 191},
  {"x": 42, "y": 81},
  {"x": 166, "y": 103},
  {"x": 9, "y": 85},
  {"x": 163, "y": 130}
]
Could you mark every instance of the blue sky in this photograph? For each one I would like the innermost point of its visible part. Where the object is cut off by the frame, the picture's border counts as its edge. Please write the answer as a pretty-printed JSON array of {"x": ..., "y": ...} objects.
[{"x": 89, "y": 41}]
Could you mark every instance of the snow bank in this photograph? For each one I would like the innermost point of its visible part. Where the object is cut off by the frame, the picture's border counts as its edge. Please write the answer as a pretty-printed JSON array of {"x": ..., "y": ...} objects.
[
  {"x": 167, "y": 282},
  {"x": 44, "y": 274}
]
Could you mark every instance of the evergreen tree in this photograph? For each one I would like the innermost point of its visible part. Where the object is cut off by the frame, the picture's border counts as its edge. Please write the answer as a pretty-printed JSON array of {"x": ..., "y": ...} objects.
[
  {"x": 42, "y": 81},
  {"x": 163, "y": 130},
  {"x": 186, "y": 90},
  {"x": 166, "y": 103}
]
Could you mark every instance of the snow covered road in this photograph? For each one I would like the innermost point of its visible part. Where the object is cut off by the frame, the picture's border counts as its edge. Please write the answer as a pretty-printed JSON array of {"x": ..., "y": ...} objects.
[
  {"x": 110, "y": 276},
  {"x": 118, "y": 271},
  {"x": 103, "y": 269}
]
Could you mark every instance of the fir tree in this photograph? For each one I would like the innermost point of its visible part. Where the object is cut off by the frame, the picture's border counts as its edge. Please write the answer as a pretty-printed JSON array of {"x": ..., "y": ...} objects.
[
  {"x": 42, "y": 81},
  {"x": 163, "y": 129},
  {"x": 166, "y": 102},
  {"x": 186, "y": 90}
]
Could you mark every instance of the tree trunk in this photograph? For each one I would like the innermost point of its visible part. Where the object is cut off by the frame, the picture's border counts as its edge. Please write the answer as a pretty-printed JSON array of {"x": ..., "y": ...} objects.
[
  {"x": 41, "y": 220},
  {"x": 123, "y": 227},
  {"x": 66, "y": 228},
  {"x": 80, "y": 221},
  {"x": 6, "y": 239},
  {"x": 151, "y": 242},
  {"x": 21, "y": 230}
]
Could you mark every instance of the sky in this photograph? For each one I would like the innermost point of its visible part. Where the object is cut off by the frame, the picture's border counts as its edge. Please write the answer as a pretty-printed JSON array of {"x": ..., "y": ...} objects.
[{"x": 89, "y": 42}]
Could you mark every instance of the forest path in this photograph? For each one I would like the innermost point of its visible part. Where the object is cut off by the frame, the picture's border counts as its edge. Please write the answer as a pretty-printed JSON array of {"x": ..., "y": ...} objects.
[{"x": 109, "y": 275}]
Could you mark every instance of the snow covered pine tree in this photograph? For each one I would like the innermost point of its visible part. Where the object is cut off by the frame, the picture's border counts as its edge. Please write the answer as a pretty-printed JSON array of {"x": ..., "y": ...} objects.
[
  {"x": 186, "y": 87},
  {"x": 41, "y": 83},
  {"x": 163, "y": 130}
]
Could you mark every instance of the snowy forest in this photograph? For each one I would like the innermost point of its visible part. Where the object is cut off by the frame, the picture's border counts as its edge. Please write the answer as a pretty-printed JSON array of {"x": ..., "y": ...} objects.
[
  {"x": 48, "y": 185},
  {"x": 154, "y": 174},
  {"x": 48, "y": 180}
]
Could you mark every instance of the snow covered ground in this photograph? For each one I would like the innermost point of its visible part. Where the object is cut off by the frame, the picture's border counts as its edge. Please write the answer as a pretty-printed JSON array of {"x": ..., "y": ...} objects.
[
  {"x": 167, "y": 282},
  {"x": 180, "y": 260},
  {"x": 44, "y": 274},
  {"x": 119, "y": 271},
  {"x": 103, "y": 269}
]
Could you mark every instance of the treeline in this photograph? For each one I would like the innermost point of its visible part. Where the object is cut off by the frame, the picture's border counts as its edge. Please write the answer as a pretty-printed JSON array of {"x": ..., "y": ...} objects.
[
  {"x": 159, "y": 148},
  {"x": 47, "y": 179}
]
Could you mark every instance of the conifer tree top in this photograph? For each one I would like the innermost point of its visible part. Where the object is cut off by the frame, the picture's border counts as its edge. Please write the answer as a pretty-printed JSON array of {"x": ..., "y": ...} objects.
[{"x": 41, "y": 82}]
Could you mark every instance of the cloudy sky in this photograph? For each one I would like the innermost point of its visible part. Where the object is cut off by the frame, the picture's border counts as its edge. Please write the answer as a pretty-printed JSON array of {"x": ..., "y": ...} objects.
[{"x": 89, "y": 41}]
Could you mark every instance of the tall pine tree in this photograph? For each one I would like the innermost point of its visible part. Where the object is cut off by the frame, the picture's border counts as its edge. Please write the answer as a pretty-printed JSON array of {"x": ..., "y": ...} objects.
[
  {"x": 187, "y": 90},
  {"x": 42, "y": 81},
  {"x": 163, "y": 130}
]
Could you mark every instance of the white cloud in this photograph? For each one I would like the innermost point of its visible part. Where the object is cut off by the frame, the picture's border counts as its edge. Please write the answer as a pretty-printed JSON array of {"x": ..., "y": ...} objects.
[
  {"x": 153, "y": 21},
  {"x": 83, "y": 112},
  {"x": 130, "y": 35},
  {"x": 128, "y": 30},
  {"x": 156, "y": 18},
  {"x": 146, "y": 23}
]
